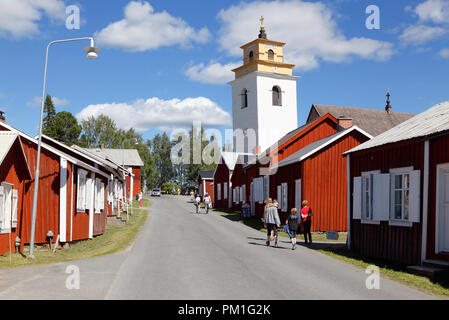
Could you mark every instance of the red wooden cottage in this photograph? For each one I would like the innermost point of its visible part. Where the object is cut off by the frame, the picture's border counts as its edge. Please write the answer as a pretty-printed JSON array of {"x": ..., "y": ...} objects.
[
  {"x": 14, "y": 176},
  {"x": 206, "y": 183},
  {"x": 131, "y": 161},
  {"x": 66, "y": 182},
  {"x": 399, "y": 187},
  {"x": 101, "y": 178},
  {"x": 222, "y": 179}
]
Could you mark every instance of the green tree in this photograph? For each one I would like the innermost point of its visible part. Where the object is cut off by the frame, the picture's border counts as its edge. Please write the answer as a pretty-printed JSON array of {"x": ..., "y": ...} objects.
[
  {"x": 49, "y": 115},
  {"x": 161, "y": 150},
  {"x": 198, "y": 144},
  {"x": 65, "y": 128},
  {"x": 98, "y": 131}
]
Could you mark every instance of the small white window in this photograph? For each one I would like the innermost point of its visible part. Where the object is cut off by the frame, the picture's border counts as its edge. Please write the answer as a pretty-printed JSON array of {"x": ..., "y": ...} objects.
[
  {"x": 6, "y": 207},
  {"x": 225, "y": 190},
  {"x": 284, "y": 202},
  {"x": 81, "y": 190},
  {"x": 405, "y": 195},
  {"x": 266, "y": 187}
]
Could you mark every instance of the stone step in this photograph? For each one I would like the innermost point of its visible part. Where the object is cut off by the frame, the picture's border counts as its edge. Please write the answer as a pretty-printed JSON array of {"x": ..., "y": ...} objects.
[{"x": 433, "y": 273}]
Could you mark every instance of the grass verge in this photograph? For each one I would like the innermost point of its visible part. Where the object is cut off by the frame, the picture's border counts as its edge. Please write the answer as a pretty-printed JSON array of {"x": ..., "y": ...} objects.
[
  {"x": 116, "y": 238},
  {"x": 257, "y": 224},
  {"x": 390, "y": 271}
]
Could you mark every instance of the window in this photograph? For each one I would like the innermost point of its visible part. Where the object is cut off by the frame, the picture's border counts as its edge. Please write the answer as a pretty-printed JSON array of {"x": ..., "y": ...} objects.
[
  {"x": 284, "y": 201},
  {"x": 259, "y": 189},
  {"x": 270, "y": 55},
  {"x": 405, "y": 199},
  {"x": 393, "y": 197},
  {"x": 219, "y": 191},
  {"x": 244, "y": 96},
  {"x": 8, "y": 207},
  {"x": 99, "y": 196},
  {"x": 277, "y": 96},
  {"x": 266, "y": 187},
  {"x": 225, "y": 190},
  {"x": 401, "y": 196},
  {"x": 81, "y": 191},
  {"x": 366, "y": 197},
  {"x": 251, "y": 56}
]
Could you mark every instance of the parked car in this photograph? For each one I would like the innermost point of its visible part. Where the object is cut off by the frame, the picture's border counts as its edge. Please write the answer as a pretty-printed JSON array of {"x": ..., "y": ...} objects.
[{"x": 156, "y": 192}]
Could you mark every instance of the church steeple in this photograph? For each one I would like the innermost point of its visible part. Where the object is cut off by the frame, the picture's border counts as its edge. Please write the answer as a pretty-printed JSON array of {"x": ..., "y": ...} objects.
[
  {"x": 262, "y": 33},
  {"x": 263, "y": 55}
]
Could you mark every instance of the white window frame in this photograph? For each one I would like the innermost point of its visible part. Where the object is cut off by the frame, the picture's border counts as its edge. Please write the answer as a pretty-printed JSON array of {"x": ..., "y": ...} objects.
[
  {"x": 81, "y": 190},
  {"x": 6, "y": 208},
  {"x": 364, "y": 218},
  {"x": 266, "y": 187},
  {"x": 401, "y": 222},
  {"x": 284, "y": 200},
  {"x": 225, "y": 191}
]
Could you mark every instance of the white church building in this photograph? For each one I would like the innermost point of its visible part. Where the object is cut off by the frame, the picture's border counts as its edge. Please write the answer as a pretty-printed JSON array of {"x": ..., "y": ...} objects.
[{"x": 264, "y": 98}]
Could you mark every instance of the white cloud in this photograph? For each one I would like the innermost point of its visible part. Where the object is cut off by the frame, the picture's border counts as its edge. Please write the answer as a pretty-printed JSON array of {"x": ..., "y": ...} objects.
[
  {"x": 57, "y": 102},
  {"x": 436, "y": 11},
  {"x": 419, "y": 34},
  {"x": 444, "y": 53},
  {"x": 19, "y": 18},
  {"x": 309, "y": 29},
  {"x": 152, "y": 113},
  {"x": 142, "y": 29},
  {"x": 214, "y": 72}
]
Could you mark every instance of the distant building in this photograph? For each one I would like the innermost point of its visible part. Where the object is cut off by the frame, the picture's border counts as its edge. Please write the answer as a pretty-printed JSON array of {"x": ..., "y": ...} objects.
[{"x": 130, "y": 160}]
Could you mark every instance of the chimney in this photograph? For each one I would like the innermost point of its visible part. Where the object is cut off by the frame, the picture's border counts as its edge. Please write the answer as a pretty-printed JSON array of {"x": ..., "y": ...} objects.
[
  {"x": 388, "y": 106},
  {"x": 344, "y": 122},
  {"x": 2, "y": 116}
]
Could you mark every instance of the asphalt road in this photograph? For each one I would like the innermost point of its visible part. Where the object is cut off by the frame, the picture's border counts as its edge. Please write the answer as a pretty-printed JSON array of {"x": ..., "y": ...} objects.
[{"x": 182, "y": 255}]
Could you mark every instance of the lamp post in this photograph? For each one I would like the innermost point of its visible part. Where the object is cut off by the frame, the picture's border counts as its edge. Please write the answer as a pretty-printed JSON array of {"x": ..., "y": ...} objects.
[{"x": 91, "y": 54}]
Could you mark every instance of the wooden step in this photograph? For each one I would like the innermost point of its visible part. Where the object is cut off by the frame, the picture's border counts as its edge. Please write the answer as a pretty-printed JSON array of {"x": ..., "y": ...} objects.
[
  {"x": 431, "y": 272},
  {"x": 436, "y": 263}
]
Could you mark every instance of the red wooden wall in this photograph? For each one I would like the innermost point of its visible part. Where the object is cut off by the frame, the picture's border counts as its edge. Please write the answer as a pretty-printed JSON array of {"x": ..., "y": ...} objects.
[
  {"x": 397, "y": 244},
  {"x": 13, "y": 171}
]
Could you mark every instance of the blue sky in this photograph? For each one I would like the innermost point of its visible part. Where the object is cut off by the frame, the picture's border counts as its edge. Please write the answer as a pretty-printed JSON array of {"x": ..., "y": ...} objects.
[{"x": 164, "y": 63}]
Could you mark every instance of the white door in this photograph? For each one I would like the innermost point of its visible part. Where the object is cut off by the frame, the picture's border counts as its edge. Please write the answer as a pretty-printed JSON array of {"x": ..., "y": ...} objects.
[{"x": 443, "y": 210}]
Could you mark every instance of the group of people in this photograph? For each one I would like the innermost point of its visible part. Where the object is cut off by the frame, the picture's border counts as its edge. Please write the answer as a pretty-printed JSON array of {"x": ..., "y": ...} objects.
[
  {"x": 292, "y": 224},
  {"x": 206, "y": 200}
]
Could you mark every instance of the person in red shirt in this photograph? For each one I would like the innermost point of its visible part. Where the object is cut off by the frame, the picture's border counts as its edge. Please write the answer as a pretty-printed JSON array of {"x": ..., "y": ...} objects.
[{"x": 306, "y": 216}]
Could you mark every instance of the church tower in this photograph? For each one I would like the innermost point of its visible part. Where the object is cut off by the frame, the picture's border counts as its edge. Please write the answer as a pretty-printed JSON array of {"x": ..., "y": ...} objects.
[{"x": 263, "y": 96}]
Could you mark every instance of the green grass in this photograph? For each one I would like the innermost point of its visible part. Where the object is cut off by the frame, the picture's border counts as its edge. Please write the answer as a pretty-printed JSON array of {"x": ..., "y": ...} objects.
[
  {"x": 116, "y": 238},
  {"x": 390, "y": 271},
  {"x": 257, "y": 223}
]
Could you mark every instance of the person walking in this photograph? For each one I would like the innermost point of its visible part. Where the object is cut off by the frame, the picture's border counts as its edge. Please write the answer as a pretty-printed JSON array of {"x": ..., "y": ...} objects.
[
  {"x": 271, "y": 221},
  {"x": 292, "y": 222},
  {"x": 207, "y": 202},
  {"x": 306, "y": 215},
  {"x": 139, "y": 198},
  {"x": 197, "y": 202}
]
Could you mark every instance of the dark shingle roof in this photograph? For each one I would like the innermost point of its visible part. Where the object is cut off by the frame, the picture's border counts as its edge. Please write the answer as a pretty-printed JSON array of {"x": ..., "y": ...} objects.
[
  {"x": 205, "y": 174},
  {"x": 373, "y": 121}
]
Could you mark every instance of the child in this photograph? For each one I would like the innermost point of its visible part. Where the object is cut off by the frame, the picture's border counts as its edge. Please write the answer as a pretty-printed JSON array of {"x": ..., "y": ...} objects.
[{"x": 293, "y": 222}]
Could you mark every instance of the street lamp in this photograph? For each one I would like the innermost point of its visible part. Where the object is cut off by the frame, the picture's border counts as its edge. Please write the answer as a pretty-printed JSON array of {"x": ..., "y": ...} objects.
[{"x": 91, "y": 54}]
